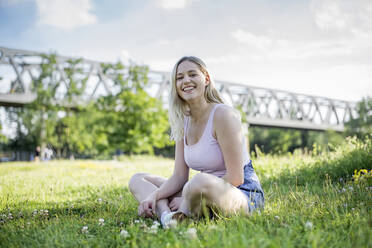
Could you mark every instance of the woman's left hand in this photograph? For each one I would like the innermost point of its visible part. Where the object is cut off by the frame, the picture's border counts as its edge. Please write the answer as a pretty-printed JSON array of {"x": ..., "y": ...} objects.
[{"x": 175, "y": 203}]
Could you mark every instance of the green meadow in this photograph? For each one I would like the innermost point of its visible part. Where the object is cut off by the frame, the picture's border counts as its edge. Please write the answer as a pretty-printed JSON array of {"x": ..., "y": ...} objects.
[{"x": 319, "y": 199}]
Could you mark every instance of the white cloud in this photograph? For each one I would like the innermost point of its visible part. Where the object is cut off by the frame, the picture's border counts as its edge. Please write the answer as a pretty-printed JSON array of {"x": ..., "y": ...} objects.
[
  {"x": 173, "y": 4},
  {"x": 250, "y": 39},
  {"x": 343, "y": 15},
  {"x": 65, "y": 14}
]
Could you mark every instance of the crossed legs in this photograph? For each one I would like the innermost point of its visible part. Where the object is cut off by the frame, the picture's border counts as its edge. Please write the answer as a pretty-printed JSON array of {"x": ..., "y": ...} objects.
[{"x": 202, "y": 189}]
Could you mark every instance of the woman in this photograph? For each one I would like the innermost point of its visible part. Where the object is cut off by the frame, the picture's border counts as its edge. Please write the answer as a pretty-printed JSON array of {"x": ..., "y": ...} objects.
[{"x": 209, "y": 139}]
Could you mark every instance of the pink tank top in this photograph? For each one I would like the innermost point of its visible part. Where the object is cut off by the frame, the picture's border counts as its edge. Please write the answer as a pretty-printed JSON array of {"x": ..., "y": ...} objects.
[{"x": 206, "y": 155}]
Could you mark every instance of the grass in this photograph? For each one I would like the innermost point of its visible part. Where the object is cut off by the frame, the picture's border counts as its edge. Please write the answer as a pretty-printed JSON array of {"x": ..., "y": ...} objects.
[{"x": 311, "y": 201}]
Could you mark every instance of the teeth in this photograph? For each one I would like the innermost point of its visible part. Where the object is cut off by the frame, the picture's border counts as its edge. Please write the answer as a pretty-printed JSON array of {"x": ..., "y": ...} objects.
[{"x": 188, "y": 88}]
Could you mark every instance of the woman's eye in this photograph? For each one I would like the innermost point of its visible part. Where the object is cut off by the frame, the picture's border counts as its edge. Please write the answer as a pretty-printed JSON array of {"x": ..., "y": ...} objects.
[
  {"x": 192, "y": 75},
  {"x": 179, "y": 78}
]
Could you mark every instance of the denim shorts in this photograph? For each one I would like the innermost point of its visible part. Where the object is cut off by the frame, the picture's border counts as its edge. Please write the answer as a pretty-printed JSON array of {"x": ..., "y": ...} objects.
[{"x": 252, "y": 188}]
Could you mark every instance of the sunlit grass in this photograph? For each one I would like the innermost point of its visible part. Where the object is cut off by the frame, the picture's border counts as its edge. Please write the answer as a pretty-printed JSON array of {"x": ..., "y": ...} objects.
[{"x": 311, "y": 201}]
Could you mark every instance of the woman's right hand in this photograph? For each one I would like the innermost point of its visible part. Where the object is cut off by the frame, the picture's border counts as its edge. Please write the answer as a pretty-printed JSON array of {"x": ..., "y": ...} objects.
[{"x": 147, "y": 207}]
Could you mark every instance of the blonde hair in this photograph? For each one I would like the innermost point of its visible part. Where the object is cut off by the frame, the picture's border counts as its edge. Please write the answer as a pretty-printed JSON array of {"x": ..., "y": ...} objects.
[{"x": 178, "y": 108}]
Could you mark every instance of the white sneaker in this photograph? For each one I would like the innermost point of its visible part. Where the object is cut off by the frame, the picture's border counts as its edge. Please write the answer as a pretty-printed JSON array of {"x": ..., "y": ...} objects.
[{"x": 167, "y": 221}]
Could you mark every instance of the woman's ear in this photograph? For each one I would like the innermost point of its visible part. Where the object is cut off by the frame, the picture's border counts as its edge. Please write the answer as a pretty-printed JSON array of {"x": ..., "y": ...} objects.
[{"x": 207, "y": 79}]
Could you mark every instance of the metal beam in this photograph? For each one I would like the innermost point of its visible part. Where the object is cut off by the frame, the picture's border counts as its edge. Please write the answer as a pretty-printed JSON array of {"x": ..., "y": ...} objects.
[{"x": 261, "y": 106}]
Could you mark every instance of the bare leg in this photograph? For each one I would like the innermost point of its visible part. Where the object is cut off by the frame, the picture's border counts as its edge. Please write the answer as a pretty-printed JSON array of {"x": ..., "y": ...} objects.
[
  {"x": 143, "y": 184},
  {"x": 214, "y": 192}
]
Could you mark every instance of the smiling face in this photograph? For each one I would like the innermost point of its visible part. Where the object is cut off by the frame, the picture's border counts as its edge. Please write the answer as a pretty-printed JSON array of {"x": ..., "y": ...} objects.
[{"x": 190, "y": 81}]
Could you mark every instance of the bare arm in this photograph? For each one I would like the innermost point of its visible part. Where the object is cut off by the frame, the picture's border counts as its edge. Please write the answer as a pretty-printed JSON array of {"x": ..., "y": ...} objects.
[
  {"x": 228, "y": 130},
  {"x": 179, "y": 177}
]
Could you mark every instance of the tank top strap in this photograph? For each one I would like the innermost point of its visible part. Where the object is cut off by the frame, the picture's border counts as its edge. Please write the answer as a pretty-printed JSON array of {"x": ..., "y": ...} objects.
[{"x": 209, "y": 127}]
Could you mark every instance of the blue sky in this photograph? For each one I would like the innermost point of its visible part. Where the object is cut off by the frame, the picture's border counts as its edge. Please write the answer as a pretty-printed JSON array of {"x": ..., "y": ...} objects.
[{"x": 320, "y": 47}]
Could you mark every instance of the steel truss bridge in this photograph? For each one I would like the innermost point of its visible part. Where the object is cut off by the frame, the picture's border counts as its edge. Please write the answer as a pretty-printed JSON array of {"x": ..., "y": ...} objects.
[{"x": 261, "y": 106}]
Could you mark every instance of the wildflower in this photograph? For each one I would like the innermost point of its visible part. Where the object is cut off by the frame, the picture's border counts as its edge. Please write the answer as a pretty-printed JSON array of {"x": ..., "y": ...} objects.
[
  {"x": 213, "y": 227},
  {"x": 171, "y": 224},
  {"x": 121, "y": 197},
  {"x": 156, "y": 223},
  {"x": 345, "y": 205},
  {"x": 309, "y": 225},
  {"x": 34, "y": 212},
  {"x": 191, "y": 233},
  {"x": 28, "y": 223},
  {"x": 351, "y": 188},
  {"x": 136, "y": 221},
  {"x": 277, "y": 217},
  {"x": 84, "y": 229},
  {"x": 353, "y": 209},
  {"x": 101, "y": 222},
  {"x": 100, "y": 200},
  {"x": 343, "y": 190},
  {"x": 10, "y": 216},
  {"x": 124, "y": 234},
  {"x": 153, "y": 229}
]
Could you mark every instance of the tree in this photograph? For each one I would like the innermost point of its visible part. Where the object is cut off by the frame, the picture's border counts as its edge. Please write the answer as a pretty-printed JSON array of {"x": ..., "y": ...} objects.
[{"x": 361, "y": 126}]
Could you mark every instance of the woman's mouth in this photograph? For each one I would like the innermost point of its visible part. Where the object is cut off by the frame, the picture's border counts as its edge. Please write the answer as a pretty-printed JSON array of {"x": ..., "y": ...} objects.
[{"x": 188, "y": 89}]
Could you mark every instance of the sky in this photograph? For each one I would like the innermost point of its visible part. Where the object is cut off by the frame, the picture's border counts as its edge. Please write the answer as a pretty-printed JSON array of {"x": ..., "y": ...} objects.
[{"x": 317, "y": 47}]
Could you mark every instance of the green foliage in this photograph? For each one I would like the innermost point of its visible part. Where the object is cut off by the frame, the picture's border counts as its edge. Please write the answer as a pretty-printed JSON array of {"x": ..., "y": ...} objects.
[
  {"x": 274, "y": 140},
  {"x": 304, "y": 207},
  {"x": 3, "y": 138},
  {"x": 362, "y": 125},
  {"x": 128, "y": 120}
]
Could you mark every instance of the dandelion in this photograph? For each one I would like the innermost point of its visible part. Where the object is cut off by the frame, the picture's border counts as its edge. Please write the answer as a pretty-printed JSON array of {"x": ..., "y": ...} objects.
[
  {"x": 84, "y": 229},
  {"x": 309, "y": 225},
  {"x": 191, "y": 233},
  {"x": 101, "y": 222},
  {"x": 124, "y": 234}
]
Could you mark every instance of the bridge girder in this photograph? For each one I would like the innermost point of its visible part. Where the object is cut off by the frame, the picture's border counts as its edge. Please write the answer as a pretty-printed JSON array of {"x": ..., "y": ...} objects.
[{"x": 259, "y": 106}]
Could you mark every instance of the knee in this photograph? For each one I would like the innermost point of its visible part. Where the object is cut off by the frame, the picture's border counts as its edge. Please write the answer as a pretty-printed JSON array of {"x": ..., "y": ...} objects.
[
  {"x": 200, "y": 184},
  {"x": 135, "y": 180}
]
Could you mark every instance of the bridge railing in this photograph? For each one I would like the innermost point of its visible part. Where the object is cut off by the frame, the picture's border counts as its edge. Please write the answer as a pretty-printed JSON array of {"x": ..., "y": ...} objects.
[{"x": 260, "y": 106}]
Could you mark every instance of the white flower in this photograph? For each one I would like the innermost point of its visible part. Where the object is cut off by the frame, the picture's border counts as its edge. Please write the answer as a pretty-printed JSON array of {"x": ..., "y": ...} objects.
[
  {"x": 156, "y": 223},
  {"x": 136, "y": 221},
  {"x": 213, "y": 227},
  {"x": 191, "y": 233},
  {"x": 153, "y": 229},
  {"x": 124, "y": 234},
  {"x": 99, "y": 200},
  {"x": 101, "y": 222},
  {"x": 277, "y": 217},
  {"x": 343, "y": 189},
  {"x": 84, "y": 229},
  {"x": 309, "y": 225},
  {"x": 351, "y": 188}
]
